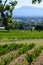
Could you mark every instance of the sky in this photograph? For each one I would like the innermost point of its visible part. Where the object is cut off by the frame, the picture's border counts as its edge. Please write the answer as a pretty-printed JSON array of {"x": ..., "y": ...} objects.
[{"x": 22, "y": 3}]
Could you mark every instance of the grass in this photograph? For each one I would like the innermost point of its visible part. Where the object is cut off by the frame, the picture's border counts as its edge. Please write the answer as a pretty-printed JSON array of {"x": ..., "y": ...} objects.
[{"x": 20, "y": 34}]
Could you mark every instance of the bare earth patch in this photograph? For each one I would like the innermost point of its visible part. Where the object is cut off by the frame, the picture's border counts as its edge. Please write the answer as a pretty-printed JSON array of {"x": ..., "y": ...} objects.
[
  {"x": 9, "y": 53},
  {"x": 37, "y": 41}
]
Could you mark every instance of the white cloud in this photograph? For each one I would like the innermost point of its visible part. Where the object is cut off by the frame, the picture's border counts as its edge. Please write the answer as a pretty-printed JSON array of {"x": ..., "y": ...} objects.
[{"x": 28, "y": 3}]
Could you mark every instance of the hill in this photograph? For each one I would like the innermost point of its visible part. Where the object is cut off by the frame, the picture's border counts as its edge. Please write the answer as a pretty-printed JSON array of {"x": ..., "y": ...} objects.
[{"x": 26, "y": 11}]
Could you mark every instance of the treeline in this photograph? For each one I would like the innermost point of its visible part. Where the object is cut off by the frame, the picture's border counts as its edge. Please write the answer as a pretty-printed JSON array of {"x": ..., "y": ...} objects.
[
  {"x": 23, "y": 26},
  {"x": 39, "y": 27}
]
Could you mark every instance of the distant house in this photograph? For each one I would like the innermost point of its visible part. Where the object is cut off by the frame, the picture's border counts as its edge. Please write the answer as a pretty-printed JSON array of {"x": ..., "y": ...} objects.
[{"x": 2, "y": 28}]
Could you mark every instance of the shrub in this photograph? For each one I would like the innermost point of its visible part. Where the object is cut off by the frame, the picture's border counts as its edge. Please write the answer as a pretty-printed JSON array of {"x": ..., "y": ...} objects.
[
  {"x": 32, "y": 45},
  {"x": 29, "y": 58},
  {"x": 37, "y": 52}
]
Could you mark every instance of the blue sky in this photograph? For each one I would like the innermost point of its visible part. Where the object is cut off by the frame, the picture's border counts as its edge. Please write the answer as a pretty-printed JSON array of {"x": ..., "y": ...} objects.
[{"x": 28, "y": 3}]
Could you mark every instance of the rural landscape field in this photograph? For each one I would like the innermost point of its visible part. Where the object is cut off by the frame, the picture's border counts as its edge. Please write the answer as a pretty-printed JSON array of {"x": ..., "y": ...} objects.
[
  {"x": 21, "y": 47},
  {"x": 21, "y": 32}
]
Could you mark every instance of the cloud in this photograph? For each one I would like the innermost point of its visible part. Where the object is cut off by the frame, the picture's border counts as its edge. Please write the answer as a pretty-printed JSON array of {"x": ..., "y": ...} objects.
[{"x": 28, "y": 3}]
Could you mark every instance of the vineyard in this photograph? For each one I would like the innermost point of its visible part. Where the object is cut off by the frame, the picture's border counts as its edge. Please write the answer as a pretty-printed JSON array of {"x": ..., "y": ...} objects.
[
  {"x": 21, "y": 33},
  {"x": 21, "y": 52}
]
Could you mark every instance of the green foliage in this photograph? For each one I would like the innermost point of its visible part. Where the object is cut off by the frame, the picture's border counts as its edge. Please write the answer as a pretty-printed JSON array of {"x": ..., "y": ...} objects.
[
  {"x": 13, "y": 3},
  {"x": 31, "y": 56},
  {"x": 37, "y": 52},
  {"x": 16, "y": 25},
  {"x": 5, "y": 10},
  {"x": 7, "y": 7},
  {"x": 9, "y": 47},
  {"x": 5, "y": 61},
  {"x": 1, "y": 7},
  {"x": 0, "y": 1},
  {"x": 22, "y": 48},
  {"x": 26, "y": 47},
  {"x": 31, "y": 46},
  {"x": 20, "y": 34},
  {"x": 41, "y": 47},
  {"x": 34, "y": 1}
]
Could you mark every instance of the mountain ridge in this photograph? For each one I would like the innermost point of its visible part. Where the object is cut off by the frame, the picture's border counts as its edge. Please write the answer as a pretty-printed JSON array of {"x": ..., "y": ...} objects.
[{"x": 28, "y": 11}]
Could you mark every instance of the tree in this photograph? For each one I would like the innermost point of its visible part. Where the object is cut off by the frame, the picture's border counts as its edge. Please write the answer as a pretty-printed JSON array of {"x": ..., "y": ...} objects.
[
  {"x": 6, "y": 10},
  {"x": 39, "y": 27},
  {"x": 16, "y": 25},
  {"x": 34, "y": 1}
]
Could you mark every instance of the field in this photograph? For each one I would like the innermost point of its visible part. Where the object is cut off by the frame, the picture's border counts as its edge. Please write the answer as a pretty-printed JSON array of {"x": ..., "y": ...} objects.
[
  {"x": 20, "y": 34},
  {"x": 21, "y": 47}
]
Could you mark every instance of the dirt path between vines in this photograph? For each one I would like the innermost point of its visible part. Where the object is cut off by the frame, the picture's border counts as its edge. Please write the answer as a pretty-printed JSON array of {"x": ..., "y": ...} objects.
[
  {"x": 9, "y": 53},
  {"x": 38, "y": 60},
  {"x": 37, "y": 41},
  {"x": 20, "y": 57}
]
